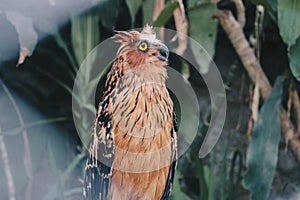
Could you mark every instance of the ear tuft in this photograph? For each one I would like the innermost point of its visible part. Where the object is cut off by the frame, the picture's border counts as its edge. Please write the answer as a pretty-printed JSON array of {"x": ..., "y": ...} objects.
[
  {"x": 148, "y": 30},
  {"x": 123, "y": 37}
]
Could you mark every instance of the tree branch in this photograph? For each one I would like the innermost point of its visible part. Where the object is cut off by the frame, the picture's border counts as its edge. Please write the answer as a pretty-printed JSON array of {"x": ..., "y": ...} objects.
[{"x": 234, "y": 30}]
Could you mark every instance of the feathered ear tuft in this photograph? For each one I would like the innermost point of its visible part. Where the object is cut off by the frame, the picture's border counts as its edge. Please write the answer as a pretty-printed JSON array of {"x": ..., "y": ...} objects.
[
  {"x": 123, "y": 37},
  {"x": 148, "y": 30}
]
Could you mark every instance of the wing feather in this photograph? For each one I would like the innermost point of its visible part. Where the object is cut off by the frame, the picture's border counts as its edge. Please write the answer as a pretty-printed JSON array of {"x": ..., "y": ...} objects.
[
  {"x": 98, "y": 167},
  {"x": 98, "y": 170},
  {"x": 173, "y": 166}
]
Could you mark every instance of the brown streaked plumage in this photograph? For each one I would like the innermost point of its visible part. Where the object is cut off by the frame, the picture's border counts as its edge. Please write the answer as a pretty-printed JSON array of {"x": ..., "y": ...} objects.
[{"x": 134, "y": 148}]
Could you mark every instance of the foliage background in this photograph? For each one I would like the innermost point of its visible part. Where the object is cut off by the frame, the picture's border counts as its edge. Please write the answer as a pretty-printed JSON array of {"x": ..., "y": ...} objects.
[{"x": 45, "y": 157}]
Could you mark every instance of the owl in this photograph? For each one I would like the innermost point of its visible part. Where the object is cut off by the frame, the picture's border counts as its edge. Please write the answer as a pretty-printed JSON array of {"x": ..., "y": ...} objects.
[{"x": 133, "y": 151}]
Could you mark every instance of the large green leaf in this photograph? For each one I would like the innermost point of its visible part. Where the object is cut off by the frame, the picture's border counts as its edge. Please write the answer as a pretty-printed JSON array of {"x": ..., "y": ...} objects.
[
  {"x": 166, "y": 13},
  {"x": 108, "y": 12},
  {"x": 148, "y": 9},
  {"x": 85, "y": 34},
  {"x": 294, "y": 56},
  {"x": 263, "y": 148},
  {"x": 289, "y": 26},
  {"x": 289, "y": 20},
  {"x": 177, "y": 193},
  {"x": 203, "y": 29},
  {"x": 133, "y": 6}
]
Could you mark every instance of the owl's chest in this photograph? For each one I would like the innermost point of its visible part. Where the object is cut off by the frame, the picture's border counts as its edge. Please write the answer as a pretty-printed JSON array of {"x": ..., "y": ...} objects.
[
  {"x": 142, "y": 119},
  {"x": 141, "y": 116},
  {"x": 141, "y": 110}
]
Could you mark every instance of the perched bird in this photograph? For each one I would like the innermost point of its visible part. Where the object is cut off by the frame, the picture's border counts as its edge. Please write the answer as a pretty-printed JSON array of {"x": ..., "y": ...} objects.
[{"x": 134, "y": 144}]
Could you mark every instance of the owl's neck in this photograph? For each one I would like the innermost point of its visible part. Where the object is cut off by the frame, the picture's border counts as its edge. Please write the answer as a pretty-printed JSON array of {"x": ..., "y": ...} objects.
[{"x": 148, "y": 74}]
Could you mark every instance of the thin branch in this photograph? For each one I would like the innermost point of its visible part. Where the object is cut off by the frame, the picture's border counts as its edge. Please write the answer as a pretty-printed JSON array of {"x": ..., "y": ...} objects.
[
  {"x": 32, "y": 124},
  {"x": 254, "y": 104},
  {"x": 288, "y": 130},
  {"x": 159, "y": 6},
  {"x": 235, "y": 33},
  {"x": 255, "y": 101},
  {"x": 296, "y": 108},
  {"x": 250, "y": 121},
  {"x": 240, "y": 12},
  {"x": 181, "y": 25},
  {"x": 258, "y": 24},
  {"x": 8, "y": 174},
  {"x": 27, "y": 154},
  {"x": 245, "y": 52}
]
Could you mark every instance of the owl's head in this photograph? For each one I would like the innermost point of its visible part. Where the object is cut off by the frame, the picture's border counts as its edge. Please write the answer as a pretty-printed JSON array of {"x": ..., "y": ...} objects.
[{"x": 140, "y": 48}]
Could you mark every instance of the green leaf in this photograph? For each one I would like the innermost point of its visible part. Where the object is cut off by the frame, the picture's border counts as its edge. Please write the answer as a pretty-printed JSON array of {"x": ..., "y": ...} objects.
[
  {"x": 204, "y": 31},
  {"x": 177, "y": 193},
  {"x": 289, "y": 20},
  {"x": 203, "y": 187},
  {"x": 32, "y": 124},
  {"x": 56, "y": 173},
  {"x": 263, "y": 148},
  {"x": 166, "y": 14},
  {"x": 85, "y": 34},
  {"x": 148, "y": 9},
  {"x": 108, "y": 12},
  {"x": 294, "y": 56},
  {"x": 210, "y": 178},
  {"x": 289, "y": 26},
  {"x": 65, "y": 175},
  {"x": 223, "y": 176},
  {"x": 133, "y": 6}
]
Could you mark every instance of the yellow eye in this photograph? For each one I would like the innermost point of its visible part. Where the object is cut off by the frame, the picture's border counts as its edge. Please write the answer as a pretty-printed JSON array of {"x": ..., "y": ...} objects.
[{"x": 143, "y": 46}]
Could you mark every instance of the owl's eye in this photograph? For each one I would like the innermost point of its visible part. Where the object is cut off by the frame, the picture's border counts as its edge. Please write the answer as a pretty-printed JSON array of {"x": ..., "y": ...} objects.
[{"x": 143, "y": 46}]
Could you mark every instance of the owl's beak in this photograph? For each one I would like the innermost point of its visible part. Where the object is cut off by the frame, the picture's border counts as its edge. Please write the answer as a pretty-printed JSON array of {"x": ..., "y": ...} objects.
[{"x": 164, "y": 52}]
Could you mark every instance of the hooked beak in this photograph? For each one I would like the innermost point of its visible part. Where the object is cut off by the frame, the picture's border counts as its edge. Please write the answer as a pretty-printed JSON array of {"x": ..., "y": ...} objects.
[{"x": 164, "y": 52}]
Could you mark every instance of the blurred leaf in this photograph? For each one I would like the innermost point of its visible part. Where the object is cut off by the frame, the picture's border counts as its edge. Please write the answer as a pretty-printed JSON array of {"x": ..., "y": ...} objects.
[
  {"x": 37, "y": 137},
  {"x": 85, "y": 34},
  {"x": 133, "y": 6},
  {"x": 74, "y": 191},
  {"x": 223, "y": 177},
  {"x": 56, "y": 173},
  {"x": 289, "y": 26},
  {"x": 26, "y": 33},
  {"x": 203, "y": 187},
  {"x": 148, "y": 9},
  {"x": 209, "y": 177},
  {"x": 108, "y": 11},
  {"x": 62, "y": 44},
  {"x": 46, "y": 25},
  {"x": 166, "y": 14},
  {"x": 62, "y": 84},
  {"x": 235, "y": 178},
  {"x": 32, "y": 124},
  {"x": 294, "y": 56},
  {"x": 204, "y": 31},
  {"x": 177, "y": 193},
  {"x": 262, "y": 152},
  {"x": 65, "y": 175},
  {"x": 289, "y": 20}
]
